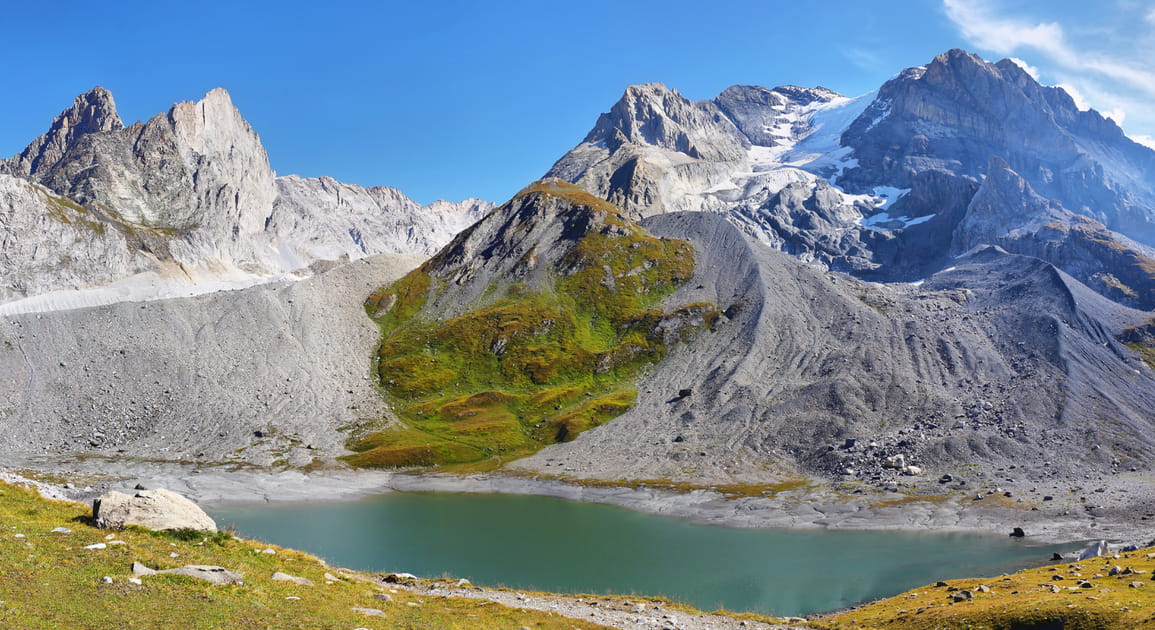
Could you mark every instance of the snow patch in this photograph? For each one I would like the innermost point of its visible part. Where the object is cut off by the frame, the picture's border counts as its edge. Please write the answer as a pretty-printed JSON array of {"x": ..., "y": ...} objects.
[
  {"x": 143, "y": 287},
  {"x": 884, "y": 222},
  {"x": 887, "y": 195}
]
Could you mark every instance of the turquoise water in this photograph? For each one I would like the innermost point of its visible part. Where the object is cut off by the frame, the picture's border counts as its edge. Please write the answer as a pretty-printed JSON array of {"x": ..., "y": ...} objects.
[{"x": 554, "y": 545}]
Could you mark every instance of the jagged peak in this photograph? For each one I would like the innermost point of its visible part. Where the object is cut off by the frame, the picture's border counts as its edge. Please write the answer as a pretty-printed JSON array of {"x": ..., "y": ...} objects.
[
  {"x": 956, "y": 56},
  {"x": 91, "y": 112},
  {"x": 805, "y": 95}
]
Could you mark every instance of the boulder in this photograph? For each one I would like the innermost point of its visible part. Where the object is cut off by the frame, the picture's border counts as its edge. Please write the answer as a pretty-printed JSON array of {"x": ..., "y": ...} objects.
[
  {"x": 153, "y": 509},
  {"x": 285, "y": 577},
  {"x": 208, "y": 573}
]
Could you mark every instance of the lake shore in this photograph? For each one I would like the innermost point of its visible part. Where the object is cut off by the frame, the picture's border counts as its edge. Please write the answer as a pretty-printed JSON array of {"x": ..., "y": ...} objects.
[{"x": 810, "y": 507}]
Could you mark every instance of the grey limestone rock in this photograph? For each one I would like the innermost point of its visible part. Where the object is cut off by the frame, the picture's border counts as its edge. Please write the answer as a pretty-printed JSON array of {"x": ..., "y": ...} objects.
[
  {"x": 152, "y": 509},
  {"x": 187, "y": 197}
]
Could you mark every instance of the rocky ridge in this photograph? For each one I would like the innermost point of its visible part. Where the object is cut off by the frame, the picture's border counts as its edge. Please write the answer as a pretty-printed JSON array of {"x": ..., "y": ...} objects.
[
  {"x": 877, "y": 185},
  {"x": 187, "y": 196}
]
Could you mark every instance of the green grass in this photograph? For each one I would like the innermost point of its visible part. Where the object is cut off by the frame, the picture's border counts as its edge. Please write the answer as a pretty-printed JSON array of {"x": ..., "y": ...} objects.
[
  {"x": 528, "y": 368},
  {"x": 1145, "y": 350},
  {"x": 1022, "y": 600}
]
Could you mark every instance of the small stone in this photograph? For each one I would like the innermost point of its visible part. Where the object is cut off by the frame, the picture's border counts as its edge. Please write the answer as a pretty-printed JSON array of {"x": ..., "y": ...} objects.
[
  {"x": 384, "y": 597},
  {"x": 20, "y": 535},
  {"x": 106, "y": 580},
  {"x": 136, "y": 581},
  {"x": 270, "y": 552},
  {"x": 370, "y": 612},
  {"x": 963, "y": 596},
  {"x": 1018, "y": 532},
  {"x": 96, "y": 546},
  {"x": 1136, "y": 584},
  {"x": 293, "y": 598},
  {"x": 983, "y": 588},
  {"x": 331, "y": 577},
  {"x": 174, "y": 555},
  {"x": 61, "y": 530},
  {"x": 940, "y": 583}
]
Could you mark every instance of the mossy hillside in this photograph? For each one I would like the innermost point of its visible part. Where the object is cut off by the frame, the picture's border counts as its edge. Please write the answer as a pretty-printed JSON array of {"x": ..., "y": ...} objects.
[
  {"x": 1071, "y": 596},
  {"x": 1141, "y": 339},
  {"x": 49, "y": 580},
  {"x": 529, "y": 366}
]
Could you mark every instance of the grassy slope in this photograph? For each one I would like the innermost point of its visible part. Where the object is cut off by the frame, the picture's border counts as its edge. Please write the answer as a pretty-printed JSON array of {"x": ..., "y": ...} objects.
[
  {"x": 529, "y": 368},
  {"x": 49, "y": 580},
  {"x": 1023, "y": 600}
]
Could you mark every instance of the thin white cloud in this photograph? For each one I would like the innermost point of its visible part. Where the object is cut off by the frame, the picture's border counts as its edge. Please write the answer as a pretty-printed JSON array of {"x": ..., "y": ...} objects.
[
  {"x": 1150, "y": 17},
  {"x": 1145, "y": 140},
  {"x": 1028, "y": 68},
  {"x": 1004, "y": 36}
]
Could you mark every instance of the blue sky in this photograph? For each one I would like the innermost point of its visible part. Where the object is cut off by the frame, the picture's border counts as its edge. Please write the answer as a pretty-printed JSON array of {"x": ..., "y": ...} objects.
[{"x": 456, "y": 99}]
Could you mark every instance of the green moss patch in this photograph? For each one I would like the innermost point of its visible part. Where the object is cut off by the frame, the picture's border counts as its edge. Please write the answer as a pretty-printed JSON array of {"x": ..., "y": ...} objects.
[{"x": 527, "y": 368}]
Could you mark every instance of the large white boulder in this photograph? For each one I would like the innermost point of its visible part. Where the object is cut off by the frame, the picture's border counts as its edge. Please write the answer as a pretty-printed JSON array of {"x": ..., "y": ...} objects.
[{"x": 153, "y": 509}]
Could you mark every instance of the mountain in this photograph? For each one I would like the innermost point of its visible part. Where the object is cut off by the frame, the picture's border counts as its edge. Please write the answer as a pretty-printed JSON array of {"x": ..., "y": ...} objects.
[
  {"x": 187, "y": 196},
  {"x": 889, "y": 185},
  {"x": 707, "y": 357},
  {"x": 747, "y": 290}
]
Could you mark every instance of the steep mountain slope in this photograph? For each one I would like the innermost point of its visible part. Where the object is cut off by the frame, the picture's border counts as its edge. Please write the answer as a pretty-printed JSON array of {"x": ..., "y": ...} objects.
[
  {"x": 264, "y": 375},
  {"x": 190, "y": 196},
  {"x": 1002, "y": 360},
  {"x": 878, "y": 185}
]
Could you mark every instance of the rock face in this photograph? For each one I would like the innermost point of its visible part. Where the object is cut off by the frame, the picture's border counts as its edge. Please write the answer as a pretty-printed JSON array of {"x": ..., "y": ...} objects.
[
  {"x": 1006, "y": 211},
  {"x": 187, "y": 196},
  {"x": 889, "y": 185},
  {"x": 959, "y": 110},
  {"x": 324, "y": 219},
  {"x": 152, "y": 509}
]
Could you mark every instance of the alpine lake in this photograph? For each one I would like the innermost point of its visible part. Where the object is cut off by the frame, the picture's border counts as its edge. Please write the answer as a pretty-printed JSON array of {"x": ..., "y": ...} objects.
[{"x": 547, "y": 544}]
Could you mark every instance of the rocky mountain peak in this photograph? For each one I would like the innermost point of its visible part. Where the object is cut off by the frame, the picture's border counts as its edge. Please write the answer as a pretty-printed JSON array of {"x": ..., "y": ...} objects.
[
  {"x": 651, "y": 114},
  {"x": 806, "y": 96},
  {"x": 91, "y": 112}
]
